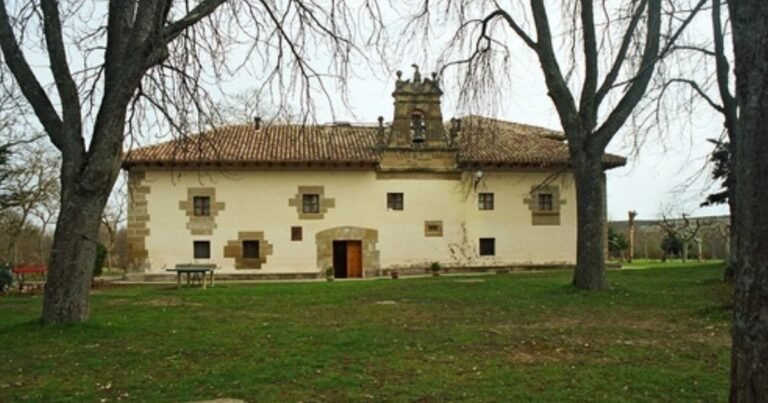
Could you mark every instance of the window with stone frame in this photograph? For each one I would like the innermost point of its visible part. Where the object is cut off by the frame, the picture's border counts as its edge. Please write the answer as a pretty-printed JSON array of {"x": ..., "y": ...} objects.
[
  {"x": 395, "y": 201},
  {"x": 250, "y": 249},
  {"x": 485, "y": 201},
  {"x": 545, "y": 202},
  {"x": 433, "y": 228},
  {"x": 201, "y": 206},
  {"x": 487, "y": 246},
  {"x": 310, "y": 203},
  {"x": 201, "y": 249}
]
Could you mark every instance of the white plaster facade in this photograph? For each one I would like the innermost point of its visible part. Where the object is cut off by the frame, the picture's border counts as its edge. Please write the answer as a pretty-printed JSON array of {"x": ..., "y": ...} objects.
[{"x": 258, "y": 200}]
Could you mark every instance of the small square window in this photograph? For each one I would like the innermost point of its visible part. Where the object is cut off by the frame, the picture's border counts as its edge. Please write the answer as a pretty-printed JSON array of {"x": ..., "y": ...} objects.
[
  {"x": 487, "y": 246},
  {"x": 485, "y": 201},
  {"x": 310, "y": 203},
  {"x": 545, "y": 202},
  {"x": 394, "y": 201},
  {"x": 296, "y": 234},
  {"x": 202, "y": 249},
  {"x": 202, "y": 206},
  {"x": 433, "y": 228},
  {"x": 250, "y": 249}
]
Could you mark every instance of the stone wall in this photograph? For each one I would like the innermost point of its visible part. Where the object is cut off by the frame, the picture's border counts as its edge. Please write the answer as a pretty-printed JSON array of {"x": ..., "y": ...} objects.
[
  {"x": 138, "y": 221},
  {"x": 234, "y": 250},
  {"x": 430, "y": 160}
]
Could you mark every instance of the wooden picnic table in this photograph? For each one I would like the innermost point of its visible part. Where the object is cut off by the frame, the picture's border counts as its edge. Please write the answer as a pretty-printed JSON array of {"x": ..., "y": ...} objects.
[
  {"x": 194, "y": 272},
  {"x": 21, "y": 272}
]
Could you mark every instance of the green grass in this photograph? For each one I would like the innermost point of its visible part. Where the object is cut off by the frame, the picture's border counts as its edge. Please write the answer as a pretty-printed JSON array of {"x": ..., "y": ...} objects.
[{"x": 659, "y": 335}]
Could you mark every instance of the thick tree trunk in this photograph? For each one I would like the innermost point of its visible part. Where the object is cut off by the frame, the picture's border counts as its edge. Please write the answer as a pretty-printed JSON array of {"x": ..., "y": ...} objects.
[
  {"x": 749, "y": 358},
  {"x": 699, "y": 251},
  {"x": 86, "y": 182},
  {"x": 70, "y": 270},
  {"x": 591, "y": 237}
]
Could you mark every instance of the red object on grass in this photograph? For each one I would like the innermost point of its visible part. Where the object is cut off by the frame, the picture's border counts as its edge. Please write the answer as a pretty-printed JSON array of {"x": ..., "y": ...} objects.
[{"x": 29, "y": 270}]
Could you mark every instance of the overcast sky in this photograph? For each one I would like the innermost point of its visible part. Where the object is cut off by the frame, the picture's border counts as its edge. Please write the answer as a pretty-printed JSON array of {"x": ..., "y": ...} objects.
[
  {"x": 667, "y": 169},
  {"x": 661, "y": 173}
]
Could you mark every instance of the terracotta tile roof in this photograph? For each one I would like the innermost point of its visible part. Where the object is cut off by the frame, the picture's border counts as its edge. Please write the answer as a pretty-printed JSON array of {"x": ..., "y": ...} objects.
[
  {"x": 482, "y": 141},
  {"x": 271, "y": 144},
  {"x": 491, "y": 141}
]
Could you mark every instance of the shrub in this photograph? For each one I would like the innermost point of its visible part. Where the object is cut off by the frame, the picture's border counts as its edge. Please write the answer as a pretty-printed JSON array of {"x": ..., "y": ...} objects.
[
  {"x": 6, "y": 278},
  {"x": 329, "y": 271},
  {"x": 101, "y": 255},
  {"x": 672, "y": 245},
  {"x": 617, "y": 242},
  {"x": 435, "y": 267}
]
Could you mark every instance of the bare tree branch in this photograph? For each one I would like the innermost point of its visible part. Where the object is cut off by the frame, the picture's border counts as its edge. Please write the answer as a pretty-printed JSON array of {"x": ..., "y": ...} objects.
[
  {"x": 623, "y": 109},
  {"x": 202, "y": 10},
  {"x": 27, "y": 80},
  {"x": 70, "y": 99},
  {"x": 621, "y": 55}
]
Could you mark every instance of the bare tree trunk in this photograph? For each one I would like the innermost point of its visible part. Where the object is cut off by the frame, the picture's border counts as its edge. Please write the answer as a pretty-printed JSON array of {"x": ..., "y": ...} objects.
[
  {"x": 86, "y": 183},
  {"x": 67, "y": 290},
  {"x": 699, "y": 250},
  {"x": 590, "y": 207},
  {"x": 749, "y": 358},
  {"x": 685, "y": 250}
]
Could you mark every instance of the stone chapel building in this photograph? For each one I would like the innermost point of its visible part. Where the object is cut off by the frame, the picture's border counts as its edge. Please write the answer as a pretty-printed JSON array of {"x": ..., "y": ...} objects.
[{"x": 292, "y": 200}]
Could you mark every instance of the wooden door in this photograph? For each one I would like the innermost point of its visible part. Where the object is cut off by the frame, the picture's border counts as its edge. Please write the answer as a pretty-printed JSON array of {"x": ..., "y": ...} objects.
[{"x": 354, "y": 259}]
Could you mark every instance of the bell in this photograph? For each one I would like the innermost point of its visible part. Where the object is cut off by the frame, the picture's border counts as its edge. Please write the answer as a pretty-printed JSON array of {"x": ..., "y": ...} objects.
[{"x": 417, "y": 135}]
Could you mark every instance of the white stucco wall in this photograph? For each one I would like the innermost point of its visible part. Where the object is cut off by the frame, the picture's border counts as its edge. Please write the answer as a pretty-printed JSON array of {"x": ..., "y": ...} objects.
[{"x": 257, "y": 200}]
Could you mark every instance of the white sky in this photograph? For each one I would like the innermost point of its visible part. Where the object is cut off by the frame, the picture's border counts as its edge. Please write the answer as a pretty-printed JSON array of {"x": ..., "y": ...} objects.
[
  {"x": 666, "y": 172},
  {"x": 657, "y": 175}
]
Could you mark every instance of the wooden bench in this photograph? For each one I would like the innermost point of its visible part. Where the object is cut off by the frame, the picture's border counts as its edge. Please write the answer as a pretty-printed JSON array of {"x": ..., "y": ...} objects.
[
  {"x": 196, "y": 273},
  {"x": 36, "y": 272}
]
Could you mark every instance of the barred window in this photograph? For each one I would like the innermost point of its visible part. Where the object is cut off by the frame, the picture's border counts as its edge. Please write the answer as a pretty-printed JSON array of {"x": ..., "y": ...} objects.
[
  {"x": 296, "y": 234},
  {"x": 394, "y": 201},
  {"x": 202, "y": 249},
  {"x": 202, "y": 206},
  {"x": 485, "y": 201},
  {"x": 545, "y": 202},
  {"x": 311, "y": 203},
  {"x": 487, "y": 246}
]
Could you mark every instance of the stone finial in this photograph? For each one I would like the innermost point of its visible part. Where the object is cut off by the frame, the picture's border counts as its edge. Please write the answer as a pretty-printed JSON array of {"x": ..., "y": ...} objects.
[
  {"x": 416, "y": 74},
  {"x": 399, "y": 74},
  {"x": 434, "y": 76},
  {"x": 257, "y": 123},
  {"x": 381, "y": 138}
]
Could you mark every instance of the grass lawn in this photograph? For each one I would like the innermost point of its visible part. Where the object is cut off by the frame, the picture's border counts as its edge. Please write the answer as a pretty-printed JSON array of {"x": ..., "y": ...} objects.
[{"x": 661, "y": 334}]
